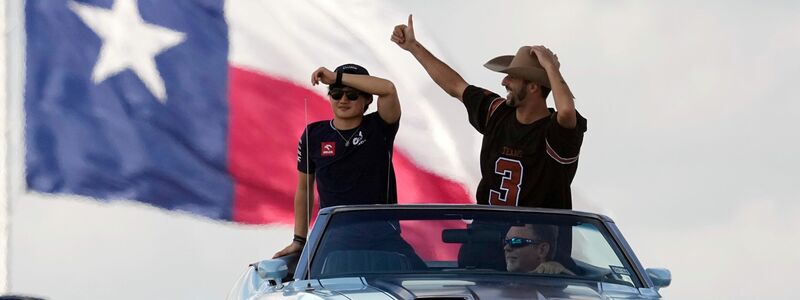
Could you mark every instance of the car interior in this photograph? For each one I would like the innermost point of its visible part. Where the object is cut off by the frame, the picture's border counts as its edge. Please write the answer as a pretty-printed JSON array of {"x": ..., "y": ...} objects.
[{"x": 367, "y": 245}]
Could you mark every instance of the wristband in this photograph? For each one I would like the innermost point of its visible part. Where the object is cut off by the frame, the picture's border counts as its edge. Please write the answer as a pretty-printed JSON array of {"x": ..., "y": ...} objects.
[
  {"x": 299, "y": 239},
  {"x": 338, "y": 78}
]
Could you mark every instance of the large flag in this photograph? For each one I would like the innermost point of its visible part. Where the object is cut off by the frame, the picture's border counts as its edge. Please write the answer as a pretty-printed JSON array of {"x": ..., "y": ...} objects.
[{"x": 198, "y": 105}]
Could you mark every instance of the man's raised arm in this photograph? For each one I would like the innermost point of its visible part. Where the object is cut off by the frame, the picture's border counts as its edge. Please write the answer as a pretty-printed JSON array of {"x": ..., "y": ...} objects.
[
  {"x": 562, "y": 96},
  {"x": 441, "y": 73},
  {"x": 388, "y": 101}
]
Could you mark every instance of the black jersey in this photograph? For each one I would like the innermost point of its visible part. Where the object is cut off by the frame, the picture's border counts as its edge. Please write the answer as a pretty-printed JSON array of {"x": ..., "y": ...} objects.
[
  {"x": 523, "y": 164},
  {"x": 352, "y": 166}
]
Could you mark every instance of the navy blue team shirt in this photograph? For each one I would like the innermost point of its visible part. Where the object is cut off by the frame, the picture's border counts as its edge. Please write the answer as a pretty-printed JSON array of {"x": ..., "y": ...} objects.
[{"x": 358, "y": 172}]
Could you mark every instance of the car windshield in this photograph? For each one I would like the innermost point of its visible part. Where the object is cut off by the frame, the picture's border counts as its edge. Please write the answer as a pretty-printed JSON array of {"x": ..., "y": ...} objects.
[{"x": 420, "y": 241}]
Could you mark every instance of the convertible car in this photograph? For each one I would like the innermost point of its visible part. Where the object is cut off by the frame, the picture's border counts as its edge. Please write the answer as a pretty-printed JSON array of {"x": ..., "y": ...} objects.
[{"x": 456, "y": 252}]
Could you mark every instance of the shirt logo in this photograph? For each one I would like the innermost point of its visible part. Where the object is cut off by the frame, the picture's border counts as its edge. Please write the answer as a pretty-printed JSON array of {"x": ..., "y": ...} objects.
[
  {"x": 359, "y": 139},
  {"x": 507, "y": 151},
  {"x": 328, "y": 149}
]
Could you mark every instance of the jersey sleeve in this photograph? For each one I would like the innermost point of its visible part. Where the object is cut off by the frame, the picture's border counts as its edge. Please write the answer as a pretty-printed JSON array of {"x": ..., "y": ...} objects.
[
  {"x": 564, "y": 144},
  {"x": 388, "y": 130},
  {"x": 304, "y": 164},
  {"x": 480, "y": 104}
]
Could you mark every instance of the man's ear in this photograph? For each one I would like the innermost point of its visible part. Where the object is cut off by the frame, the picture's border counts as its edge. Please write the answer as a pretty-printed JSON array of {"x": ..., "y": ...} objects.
[
  {"x": 544, "y": 249},
  {"x": 533, "y": 88}
]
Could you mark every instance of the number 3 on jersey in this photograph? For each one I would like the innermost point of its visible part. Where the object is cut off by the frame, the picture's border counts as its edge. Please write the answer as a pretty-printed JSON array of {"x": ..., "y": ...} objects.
[{"x": 511, "y": 170}]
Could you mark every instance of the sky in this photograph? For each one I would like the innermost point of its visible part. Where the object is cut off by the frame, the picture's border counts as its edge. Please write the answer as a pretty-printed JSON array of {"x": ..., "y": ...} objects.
[
  {"x": 691, "y": 138},
  {"x": 690, "y": 149}
]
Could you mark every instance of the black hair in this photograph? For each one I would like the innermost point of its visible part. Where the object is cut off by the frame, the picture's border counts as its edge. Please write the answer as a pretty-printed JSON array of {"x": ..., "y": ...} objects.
[
  {"x": 547, "y": 234},
  {"x": 543, "y": 89},
  {"x": 368, "y": 98}
]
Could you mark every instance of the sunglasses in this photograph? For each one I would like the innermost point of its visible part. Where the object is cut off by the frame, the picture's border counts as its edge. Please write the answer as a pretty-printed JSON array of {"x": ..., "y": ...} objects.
[
  {"x": 336, "y": 94},
  {"x": 517, "y": 242}
]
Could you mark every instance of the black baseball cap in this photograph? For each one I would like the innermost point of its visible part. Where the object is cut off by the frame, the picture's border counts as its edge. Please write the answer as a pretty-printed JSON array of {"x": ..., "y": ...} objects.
[{"x": 349, "y": 69}]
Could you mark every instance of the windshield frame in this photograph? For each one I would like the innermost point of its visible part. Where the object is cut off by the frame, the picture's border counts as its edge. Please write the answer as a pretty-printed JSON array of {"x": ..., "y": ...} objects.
[{"x": 604, "y": 224}]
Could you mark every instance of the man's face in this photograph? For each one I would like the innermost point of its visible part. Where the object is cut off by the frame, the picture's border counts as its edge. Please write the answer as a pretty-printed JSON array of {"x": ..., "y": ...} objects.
[
  {"x": 527, "y": 257},
  {"x": 517, "y": 90},
  {"x": 343, "y": 106}
]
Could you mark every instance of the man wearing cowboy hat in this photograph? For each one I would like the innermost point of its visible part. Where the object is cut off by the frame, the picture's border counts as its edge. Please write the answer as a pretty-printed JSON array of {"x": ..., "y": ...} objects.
[{"x": 529, "y": 153}]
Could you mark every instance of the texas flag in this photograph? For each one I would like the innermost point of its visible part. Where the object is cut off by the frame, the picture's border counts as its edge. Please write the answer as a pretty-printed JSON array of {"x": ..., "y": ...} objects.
[{"x": 197, "y": 105}]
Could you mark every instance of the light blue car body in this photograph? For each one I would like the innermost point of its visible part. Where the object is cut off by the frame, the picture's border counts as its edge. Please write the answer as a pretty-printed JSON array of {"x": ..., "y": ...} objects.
[{"x": 264, "y": 280}]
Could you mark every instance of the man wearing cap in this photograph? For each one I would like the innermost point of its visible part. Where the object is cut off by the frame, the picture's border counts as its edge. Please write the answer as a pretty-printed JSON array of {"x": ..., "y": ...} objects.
[
  {"x": 529, "y": 153},
  {"x": 350, "y": 156}
]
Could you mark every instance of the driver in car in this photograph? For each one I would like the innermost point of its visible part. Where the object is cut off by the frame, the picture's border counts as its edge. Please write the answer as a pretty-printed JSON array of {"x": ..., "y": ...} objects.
[{"x": 530, "y": 249}]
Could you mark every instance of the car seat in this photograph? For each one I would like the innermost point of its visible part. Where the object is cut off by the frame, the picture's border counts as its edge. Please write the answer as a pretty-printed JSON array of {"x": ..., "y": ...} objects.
[{"x": 364, "y": 261}]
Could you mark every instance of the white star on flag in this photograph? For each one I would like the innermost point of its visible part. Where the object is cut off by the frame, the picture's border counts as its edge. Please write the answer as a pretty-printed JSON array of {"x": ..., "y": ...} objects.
[{"x": 128, "y": 43}]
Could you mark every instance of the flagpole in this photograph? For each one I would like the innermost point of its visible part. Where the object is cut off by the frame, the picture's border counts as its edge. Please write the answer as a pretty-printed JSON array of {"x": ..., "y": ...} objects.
[{"x": 4, "y": 167}]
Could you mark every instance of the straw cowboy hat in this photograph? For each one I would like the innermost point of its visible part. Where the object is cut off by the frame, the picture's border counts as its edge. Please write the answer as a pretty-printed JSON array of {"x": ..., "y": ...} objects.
[{"x": 523, "y": 65}]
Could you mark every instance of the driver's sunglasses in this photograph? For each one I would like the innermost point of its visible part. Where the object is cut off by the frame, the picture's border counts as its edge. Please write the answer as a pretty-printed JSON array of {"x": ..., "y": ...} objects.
[
  {"x": 517, "y": 242},
  {"x": 337, "y": 93}
]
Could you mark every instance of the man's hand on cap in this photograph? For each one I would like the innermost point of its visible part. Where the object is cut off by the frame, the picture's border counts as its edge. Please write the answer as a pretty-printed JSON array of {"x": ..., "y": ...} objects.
[
  {"x": 546, "y": 57},
  {"x": 323, "y": 75}
]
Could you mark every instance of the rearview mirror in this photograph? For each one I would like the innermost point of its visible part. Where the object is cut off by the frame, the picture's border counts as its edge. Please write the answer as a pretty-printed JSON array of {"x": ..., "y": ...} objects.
[
  {"x": 659, "y": 276},
  {"x": 272, "y": 271}
]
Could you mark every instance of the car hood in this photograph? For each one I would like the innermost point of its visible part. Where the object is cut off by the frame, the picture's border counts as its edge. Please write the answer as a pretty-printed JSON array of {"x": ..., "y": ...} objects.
[{"x": 478, "y": 287}]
